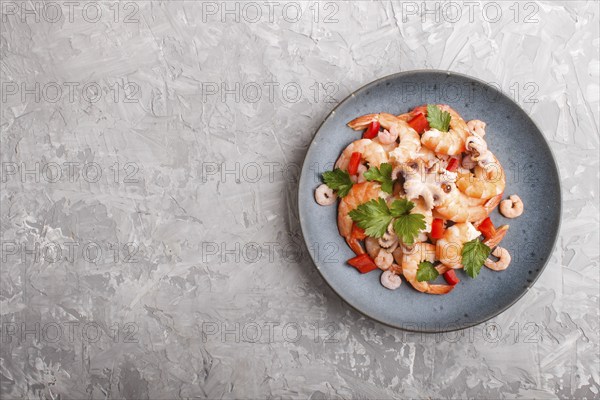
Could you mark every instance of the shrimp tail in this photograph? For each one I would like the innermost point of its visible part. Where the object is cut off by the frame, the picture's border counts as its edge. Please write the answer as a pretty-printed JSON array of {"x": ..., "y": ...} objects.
[
  {"x": 497, "y": 238},
  {"x": 363, "y": 122},
  {"x": 493, "y": 202},
  {"x": 439, "y": 289},
  {"x": 355, "y": 245}
]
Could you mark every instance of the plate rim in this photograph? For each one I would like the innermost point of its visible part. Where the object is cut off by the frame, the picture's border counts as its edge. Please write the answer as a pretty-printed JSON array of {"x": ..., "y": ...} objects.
[{"x": 500, "y": 93}]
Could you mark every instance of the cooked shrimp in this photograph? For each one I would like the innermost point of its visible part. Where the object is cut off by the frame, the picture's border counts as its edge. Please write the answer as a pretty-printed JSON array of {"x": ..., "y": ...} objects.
[
  {"x": 359, "y": 194},
  {"x": 410, "y": 265},
  {"x": 384, "y": 259},
  {"x": 390, "y": 280},
  {"x": 324, "y": 195},
  {"x": 360, "y": 175},
  {"x": 503, "y": 259},
  {"x": 484, "y": 183},
  {"x": 451, "y": 142},
  {"x": 449, "y": 248},
  {"x": 410, "y": 142},
  {"x": 497, "y": 238},
  {"x": 459, "y": 207},
  {"x": 406, "y": 116},
  {"x": 513, "y": 207},
  {"x": 371, "y": 152},
  {"x": 387, "y": 147},
  {"x": 422, "y": 109},
  {"x": 442, "y": 269},
  {"x": 477, "y": 127},
  {"x": 388, "y": 137}
]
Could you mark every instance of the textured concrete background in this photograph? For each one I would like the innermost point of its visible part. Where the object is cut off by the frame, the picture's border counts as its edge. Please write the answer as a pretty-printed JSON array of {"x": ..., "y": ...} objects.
[{"x": 150, "y": 241}]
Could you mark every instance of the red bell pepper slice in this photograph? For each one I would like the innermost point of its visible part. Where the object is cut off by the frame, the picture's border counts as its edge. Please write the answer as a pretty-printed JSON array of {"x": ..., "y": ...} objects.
[
  {"x": 358, "y": 232},
  {"x": 437, "y": 228},
  {"x": 372, "y": 130},
  {"x": 354, "y": 163},
  {"x": 487, "y": 228},
  {"x": 452, "y": 164},
  {"x": 419, "y": 123},
  {"x": 451, "y": 278},
  {"x": 362, "y": 263}
]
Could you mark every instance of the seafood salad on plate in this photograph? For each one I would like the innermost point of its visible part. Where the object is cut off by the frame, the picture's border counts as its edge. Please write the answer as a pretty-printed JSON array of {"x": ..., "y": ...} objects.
[{"x": 415, "y": 194}]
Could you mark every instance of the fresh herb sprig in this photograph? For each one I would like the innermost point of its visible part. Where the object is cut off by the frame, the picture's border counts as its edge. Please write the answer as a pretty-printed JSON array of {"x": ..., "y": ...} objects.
[
  {"x": 374, "y": 217},
  {"x": 437, "y": 118},
  {"x": 383, "y": 175},
  {"x": 339, "y": 181},
  {"x": 407, "y": 226},
  {"x": 474, "y": 254},
  {"x": 426, "y": 272}
]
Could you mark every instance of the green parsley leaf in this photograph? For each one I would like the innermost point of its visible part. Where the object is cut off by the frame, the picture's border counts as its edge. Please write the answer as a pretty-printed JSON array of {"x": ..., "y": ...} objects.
[
  {"x": 437, "y": 118},
  {"x": 401, "y": 207},
  {"x": 373, "y": 216},
  {"x": 339, "y": 181},
  {"x": 474, "y": 254},
  {"x": 383, "y": 174},
  {"x": 408, "y": 226},
  {"x": 426, "y": 272}
]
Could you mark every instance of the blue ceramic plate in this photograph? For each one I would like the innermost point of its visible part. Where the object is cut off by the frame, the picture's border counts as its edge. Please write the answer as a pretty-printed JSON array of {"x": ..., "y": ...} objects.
[{"x": 530, "y": 171}]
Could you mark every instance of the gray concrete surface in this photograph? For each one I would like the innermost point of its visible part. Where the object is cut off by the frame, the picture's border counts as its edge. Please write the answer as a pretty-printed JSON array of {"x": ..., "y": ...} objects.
[{"x": 150, "y": 241}]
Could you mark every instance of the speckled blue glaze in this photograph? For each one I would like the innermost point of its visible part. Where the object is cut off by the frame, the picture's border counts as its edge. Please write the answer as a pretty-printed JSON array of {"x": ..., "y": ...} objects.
[{"x": 531, "y": 173}]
